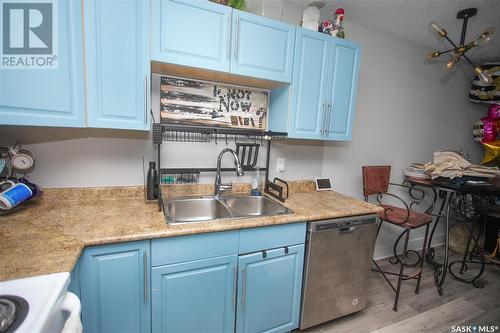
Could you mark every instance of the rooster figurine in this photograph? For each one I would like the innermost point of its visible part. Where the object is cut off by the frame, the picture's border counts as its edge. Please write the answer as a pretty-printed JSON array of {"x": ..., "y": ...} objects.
[{"x": 337, "y": 30}]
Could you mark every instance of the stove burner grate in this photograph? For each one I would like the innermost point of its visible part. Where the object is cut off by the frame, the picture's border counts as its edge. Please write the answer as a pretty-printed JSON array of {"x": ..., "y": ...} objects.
[{"x": 13, "y": 311}]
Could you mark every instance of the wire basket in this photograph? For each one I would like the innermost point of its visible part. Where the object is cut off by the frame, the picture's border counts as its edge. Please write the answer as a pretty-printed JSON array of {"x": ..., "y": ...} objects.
[{"x": 180, "y": 177}]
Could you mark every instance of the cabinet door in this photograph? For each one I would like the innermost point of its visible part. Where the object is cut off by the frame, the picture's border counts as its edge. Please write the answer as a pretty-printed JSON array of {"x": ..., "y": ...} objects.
[
  {"x": 196, "y": 296},
  {"x": 117, "y": 63},
  {"x": 344, "y": 84},
  {"x": 49, "y": 97},
  {"x": 191, "y": 33},
  {"x": 114, "y": 284},
  {"x": 309, "y": 85},
  {"x": 262, "y": 47},
  {"x": 269, "y": 290}
]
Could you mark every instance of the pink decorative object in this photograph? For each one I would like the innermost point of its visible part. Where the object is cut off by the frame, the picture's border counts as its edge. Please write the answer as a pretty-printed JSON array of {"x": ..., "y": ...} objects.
[
  {"x": 494, "y": 112},
  {"x": 485, "y": 130}
]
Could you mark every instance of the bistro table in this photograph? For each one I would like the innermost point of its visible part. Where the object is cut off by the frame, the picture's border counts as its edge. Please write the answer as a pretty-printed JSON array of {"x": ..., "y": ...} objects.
[{"x": 450, "y": 193}]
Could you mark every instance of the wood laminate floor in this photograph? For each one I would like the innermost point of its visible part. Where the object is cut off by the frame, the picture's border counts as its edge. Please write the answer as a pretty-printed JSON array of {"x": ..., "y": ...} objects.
[{"x": 461, "y": 304}]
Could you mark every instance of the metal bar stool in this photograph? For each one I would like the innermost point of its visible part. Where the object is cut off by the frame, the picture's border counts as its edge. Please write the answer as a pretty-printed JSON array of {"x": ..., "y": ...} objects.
[{"x": 376, "y": 183}]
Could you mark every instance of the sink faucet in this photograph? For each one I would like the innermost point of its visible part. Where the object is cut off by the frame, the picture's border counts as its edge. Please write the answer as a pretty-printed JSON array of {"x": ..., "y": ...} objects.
[{"x": 219, "y": 187}]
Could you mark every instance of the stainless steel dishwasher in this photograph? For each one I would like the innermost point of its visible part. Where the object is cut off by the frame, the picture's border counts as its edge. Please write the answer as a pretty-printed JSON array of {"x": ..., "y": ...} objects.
[{"x": 337, "y": 268}]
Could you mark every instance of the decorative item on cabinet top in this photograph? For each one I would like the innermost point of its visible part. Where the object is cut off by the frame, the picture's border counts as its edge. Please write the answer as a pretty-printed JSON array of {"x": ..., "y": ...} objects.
[
  {"x": 237, "y": 4},
  {"x": 199, "y": 103}
]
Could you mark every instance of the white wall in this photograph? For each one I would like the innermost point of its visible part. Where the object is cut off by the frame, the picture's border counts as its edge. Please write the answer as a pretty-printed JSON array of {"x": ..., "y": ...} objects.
[
  {"x": 91, "y": 157},
  {"x": 405, "y": 111}
]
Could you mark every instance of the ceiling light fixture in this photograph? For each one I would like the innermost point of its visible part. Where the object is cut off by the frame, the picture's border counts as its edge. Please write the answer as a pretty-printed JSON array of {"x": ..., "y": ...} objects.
[{"x": 459, "y": 51}]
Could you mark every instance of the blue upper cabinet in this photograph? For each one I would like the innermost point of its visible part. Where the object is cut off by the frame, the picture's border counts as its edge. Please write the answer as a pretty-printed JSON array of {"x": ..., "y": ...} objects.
[
  {"x": 117, "y": 63},
  {"x": 309, "y": 86},
  {"x": 49, "y": 97},
  {"x": 191, "y": 33},
  {"x": 210, "y": 36},
  {"x": 343, "y": 88},
  {"x": 195, "y": 296},
  {"x": 262, "y": 47},
  {"x": 269, "y": 290},
  {"x": 115, "y": 288},
  {"x": 323, "y": 90}
]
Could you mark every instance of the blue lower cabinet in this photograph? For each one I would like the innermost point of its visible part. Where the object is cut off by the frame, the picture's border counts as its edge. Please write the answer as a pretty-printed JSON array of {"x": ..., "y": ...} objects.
[
  {"x": 269, "y": 289},
  {"x": 114, "y": 288},
  {"x": 196, "y": 283},
  {"x": 195, "y": 296}
]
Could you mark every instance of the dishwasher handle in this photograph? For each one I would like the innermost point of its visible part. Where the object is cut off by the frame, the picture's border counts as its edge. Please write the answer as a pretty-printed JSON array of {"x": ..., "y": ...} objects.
[{"x": 346, "y": 230}]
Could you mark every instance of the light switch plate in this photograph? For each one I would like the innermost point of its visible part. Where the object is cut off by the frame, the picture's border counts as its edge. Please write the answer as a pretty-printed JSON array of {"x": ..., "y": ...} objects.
[{"x": 280, "y": 164}]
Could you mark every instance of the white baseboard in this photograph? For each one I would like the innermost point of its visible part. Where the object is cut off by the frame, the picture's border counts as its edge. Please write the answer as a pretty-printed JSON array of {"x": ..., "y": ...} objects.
[{"x": 386, "y": 250}]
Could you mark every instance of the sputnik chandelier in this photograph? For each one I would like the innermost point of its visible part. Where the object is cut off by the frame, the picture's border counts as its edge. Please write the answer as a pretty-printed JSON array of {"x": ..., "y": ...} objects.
[{"x": 459, "y": 51}]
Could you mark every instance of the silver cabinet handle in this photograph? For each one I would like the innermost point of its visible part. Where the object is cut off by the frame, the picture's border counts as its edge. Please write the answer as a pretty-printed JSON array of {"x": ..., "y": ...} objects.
[
  {"x": 329, "y": 118},
  {"x": 244, "y": 287},
  {"x": 237, "y": 39},
  {"x": 228, "y": 51},
  {"x": 323, "y": 120},
  {"x": 235, "y": 282},
  {"x": 145, "y": 263},
  {"x": 145, "y": 99}
]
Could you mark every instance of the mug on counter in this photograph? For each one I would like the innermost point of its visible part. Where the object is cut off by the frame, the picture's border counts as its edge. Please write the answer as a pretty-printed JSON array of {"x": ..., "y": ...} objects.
[{"x": 14, "y": 195}]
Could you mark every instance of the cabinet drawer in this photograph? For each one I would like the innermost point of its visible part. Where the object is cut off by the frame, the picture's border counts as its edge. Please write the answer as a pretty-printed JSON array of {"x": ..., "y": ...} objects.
[
  {"x": 186, "y": 248},
  {"x": 271, "y": 237}
]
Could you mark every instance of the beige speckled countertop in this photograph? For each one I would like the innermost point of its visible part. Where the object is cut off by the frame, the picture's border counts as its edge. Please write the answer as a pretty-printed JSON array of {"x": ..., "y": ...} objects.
[{"x": 49, "y": 235}]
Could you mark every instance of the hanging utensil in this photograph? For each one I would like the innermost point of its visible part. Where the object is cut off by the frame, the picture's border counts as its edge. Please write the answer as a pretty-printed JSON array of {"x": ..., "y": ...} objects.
[{"x": 248, "y": 153}]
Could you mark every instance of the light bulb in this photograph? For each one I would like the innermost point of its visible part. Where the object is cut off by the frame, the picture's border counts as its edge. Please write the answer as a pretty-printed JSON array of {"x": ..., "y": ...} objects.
[
  {"x": 483, "y": 76},
  {"x": 451, "y": 63},
  {"x": 490, "y": 31},
  {"x": 435, "y": 28},
  {"x": 432, "y": 54},
  {"x": 486, "y": 36}
]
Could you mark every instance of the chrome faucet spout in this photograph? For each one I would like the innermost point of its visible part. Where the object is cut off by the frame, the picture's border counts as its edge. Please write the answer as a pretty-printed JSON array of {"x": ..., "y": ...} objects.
[{"x": 219, "y": 187}]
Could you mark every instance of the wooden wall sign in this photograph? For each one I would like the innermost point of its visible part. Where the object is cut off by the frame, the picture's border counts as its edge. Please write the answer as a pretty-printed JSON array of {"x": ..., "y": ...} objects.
[{"x": 190, "y": 102}]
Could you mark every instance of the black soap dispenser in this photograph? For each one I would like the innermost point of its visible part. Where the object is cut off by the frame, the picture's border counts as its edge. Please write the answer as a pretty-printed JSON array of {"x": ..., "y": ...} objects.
[{"x": 152, "y": 182}]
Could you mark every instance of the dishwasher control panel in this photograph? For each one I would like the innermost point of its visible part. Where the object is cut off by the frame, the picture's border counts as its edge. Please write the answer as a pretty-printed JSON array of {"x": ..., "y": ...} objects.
[{"x": 343, "y": 223}]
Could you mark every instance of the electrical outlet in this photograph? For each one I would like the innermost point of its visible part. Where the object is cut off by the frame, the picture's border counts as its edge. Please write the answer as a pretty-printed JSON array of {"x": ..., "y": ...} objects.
[{"x": 280, "y": 165}]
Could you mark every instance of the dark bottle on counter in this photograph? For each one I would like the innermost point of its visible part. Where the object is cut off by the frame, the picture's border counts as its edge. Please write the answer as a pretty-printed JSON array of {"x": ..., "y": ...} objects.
[{"x": 152, "y": 182}]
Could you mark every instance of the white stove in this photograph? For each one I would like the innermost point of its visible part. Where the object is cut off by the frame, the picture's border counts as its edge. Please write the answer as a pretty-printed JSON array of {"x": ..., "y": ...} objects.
[{"x": 50, "y": 307}]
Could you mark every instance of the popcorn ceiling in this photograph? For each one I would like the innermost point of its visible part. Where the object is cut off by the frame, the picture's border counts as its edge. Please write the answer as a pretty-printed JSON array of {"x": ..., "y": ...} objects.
[{"x": 409, "y": 19}]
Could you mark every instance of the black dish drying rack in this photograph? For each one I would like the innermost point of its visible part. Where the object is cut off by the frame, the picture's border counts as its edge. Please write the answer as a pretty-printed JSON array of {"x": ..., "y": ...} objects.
[{"x": 247, "y": 144}]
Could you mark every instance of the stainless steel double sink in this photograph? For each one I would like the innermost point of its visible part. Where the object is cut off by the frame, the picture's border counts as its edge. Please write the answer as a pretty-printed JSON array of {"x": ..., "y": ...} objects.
[{"x": 202, "y": 209}]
